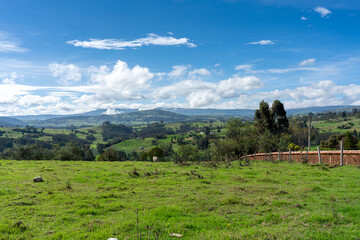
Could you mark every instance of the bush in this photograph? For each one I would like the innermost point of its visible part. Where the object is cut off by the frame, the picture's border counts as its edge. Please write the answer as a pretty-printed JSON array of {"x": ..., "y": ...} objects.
[
  {"x": 294, "y": 147},
  {"x": 109, "y": 155}
]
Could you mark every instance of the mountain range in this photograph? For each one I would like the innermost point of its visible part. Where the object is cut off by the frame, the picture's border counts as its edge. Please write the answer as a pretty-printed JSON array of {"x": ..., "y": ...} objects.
[{"x": 136, "y": 117}]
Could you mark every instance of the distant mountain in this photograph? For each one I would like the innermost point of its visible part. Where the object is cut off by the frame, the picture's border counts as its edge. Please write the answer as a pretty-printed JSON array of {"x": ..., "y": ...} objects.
[
  {"x": 11, "y": 122},
  {"x": 212, "y": 112},
  {"x": 299, "y": 111},
  {"x": 91, "y": 113},
  {"x": 133, "y": 118}
]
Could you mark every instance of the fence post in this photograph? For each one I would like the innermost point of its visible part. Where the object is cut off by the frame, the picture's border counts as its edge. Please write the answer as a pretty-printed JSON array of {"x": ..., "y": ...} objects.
[
  {"x": 302, "y": 158},
  {"x": 270, "y": 157},
  {"x": 341, "y": 153},
  {"x": 290, "y": 154},
  {"x": 306, "y": 157},
  {"x": 279, "y": 158},
  {"x": 319, "y": 154}
]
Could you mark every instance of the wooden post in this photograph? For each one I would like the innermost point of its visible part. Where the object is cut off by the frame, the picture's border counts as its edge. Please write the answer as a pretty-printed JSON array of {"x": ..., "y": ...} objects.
[
  {"x": 290, "y": 154},
  {"x": 279, "y": 158},
  {"x": 309, "y": 131},
  {"x": 319, "y": 154},
  {"x": 270, "y": 156},
  {"x": 306, "y": 156},
  {"x": 302, "y": 159},
  {"x": 341, "y": 153}
]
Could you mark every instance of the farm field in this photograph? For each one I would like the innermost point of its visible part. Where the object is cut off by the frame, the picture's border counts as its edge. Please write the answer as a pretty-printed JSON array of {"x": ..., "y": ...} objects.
[
  {"x": 145, "y": 200},
  {"x": 351, "y": 124}
]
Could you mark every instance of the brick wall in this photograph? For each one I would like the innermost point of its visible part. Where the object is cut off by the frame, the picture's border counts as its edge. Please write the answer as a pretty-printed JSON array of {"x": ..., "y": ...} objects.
[{"x": 350, "y": 157}]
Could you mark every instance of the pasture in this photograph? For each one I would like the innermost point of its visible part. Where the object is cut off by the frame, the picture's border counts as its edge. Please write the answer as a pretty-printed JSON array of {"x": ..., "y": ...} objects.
[{"x": 145, "y": 200}]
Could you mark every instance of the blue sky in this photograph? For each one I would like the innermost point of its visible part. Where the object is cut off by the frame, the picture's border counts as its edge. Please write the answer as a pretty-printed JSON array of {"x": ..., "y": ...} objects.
[{"x": 60, "y": 57}]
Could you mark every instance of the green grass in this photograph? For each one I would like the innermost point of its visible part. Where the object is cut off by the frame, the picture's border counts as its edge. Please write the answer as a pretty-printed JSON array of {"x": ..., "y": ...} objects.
[
  {"x": 99, "y": 200},
  {"x": 331, "y": 125},
  {"x": 135, "y": 144}
]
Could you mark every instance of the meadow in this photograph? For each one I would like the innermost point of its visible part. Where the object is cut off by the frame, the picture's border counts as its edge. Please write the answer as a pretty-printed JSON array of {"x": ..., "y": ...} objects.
[{"x": 145, "y": 200}]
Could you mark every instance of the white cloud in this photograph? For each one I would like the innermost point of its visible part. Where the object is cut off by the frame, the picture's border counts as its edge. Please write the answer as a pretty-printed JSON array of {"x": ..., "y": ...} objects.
[
  {"x": 228, "y": 88},
  {"x": 67, "y": 74},
  {"x": 262, "y": 42},
  {"x": 244, "y": 67},
  {"x": 183, "y": 89},
  {"x": 178, "y": 71},
  {"x": 122, "y": 86},
  {"x": 11, "y": 92},
  {"x": 308, "y": 62},
  {"x": 118, "y": 44},
  {"x": 199, "y": 71},
  {"x": 322, "y": 11},
  {"x": 9, "y": 78},
  {"x": 36, "y": 100},
  {"x": 202, "y": 98},
  {"x": 287, "y": 70},
  {"x": 120, "y": 83},
  {"x": 112, "y": 111},
  {"x": 8, "y": 44},
  {"x": 303, "y": 18}
]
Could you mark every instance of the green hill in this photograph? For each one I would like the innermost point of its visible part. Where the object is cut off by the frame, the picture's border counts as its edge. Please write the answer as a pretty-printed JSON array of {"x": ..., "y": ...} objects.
[{"x": 132, "y": 118}]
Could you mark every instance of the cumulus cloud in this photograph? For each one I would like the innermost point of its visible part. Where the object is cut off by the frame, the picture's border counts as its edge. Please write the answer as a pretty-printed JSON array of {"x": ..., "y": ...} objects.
[
  {"x": 183, "y": 72},
  {"x": 121, "y": 82},
  {"x": 118, "y": 44},
  {"x": 262, "y": 42},
  {"x": 229, "y": 87},
  {"x": 9, "y": 78},
  {"x": 202, "y": 98},
  {"x": 324, "y": 12},
  {"x": 112, "y": 111},
  {"x": 121, "y": 86},
  {"x": 308, "y": 62},
  {"x": 183, "y": 88},
  {"x": 199, "y": 72},
  {"x": 208, "y": 92},
  {"x": 8, "y": 44},
  {"x": 178, "y": 71},
  {"x": 122, "y": 77},
  {"x": 67, "y": 74},
  {"x": 303, "y": 18}
]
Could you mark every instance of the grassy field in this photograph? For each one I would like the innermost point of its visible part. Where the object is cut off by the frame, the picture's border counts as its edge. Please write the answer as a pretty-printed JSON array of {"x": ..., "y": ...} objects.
[
  {"x": 332, "y": 125},
  {"x": 99, "y": 200}
]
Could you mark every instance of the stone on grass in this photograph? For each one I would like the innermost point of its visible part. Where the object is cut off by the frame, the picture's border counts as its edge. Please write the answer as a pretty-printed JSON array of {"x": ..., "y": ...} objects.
[
  {"x": 38, "y": 179},
  {"x": 176, "y": 235}
]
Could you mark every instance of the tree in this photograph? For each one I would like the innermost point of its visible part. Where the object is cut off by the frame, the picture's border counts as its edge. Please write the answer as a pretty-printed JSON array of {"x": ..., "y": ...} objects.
[
  {"x": 244, "y": 134},
  {"x": 278, "y": 113},
  {"x": 188, "y": 152},
  {"x": 263, "y": 118},
  {"x": 271, "y": 119},
  {"x": 350, "y": 142},
  {"x": 88, "y": 154},
  {"x": 109, "y": 155},
  {"x": 156, "y": 152}
]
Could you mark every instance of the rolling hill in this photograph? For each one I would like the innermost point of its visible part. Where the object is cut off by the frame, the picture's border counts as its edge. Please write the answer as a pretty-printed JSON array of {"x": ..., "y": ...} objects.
[{"x": 135, "y": 117}]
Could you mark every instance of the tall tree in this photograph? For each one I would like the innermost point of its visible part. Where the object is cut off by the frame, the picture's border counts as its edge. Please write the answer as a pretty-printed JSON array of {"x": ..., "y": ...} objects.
[
  {"x": 278, "y": 113},
  {"x": 263, "y": 118}
]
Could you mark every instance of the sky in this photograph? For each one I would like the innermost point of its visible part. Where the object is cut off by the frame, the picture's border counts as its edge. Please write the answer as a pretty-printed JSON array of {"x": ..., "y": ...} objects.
[{"x": 65, "y": 57}]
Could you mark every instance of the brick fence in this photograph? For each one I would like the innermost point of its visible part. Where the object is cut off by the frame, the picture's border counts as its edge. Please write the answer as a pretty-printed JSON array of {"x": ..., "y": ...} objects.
[{"x": 350, "y": 157}]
